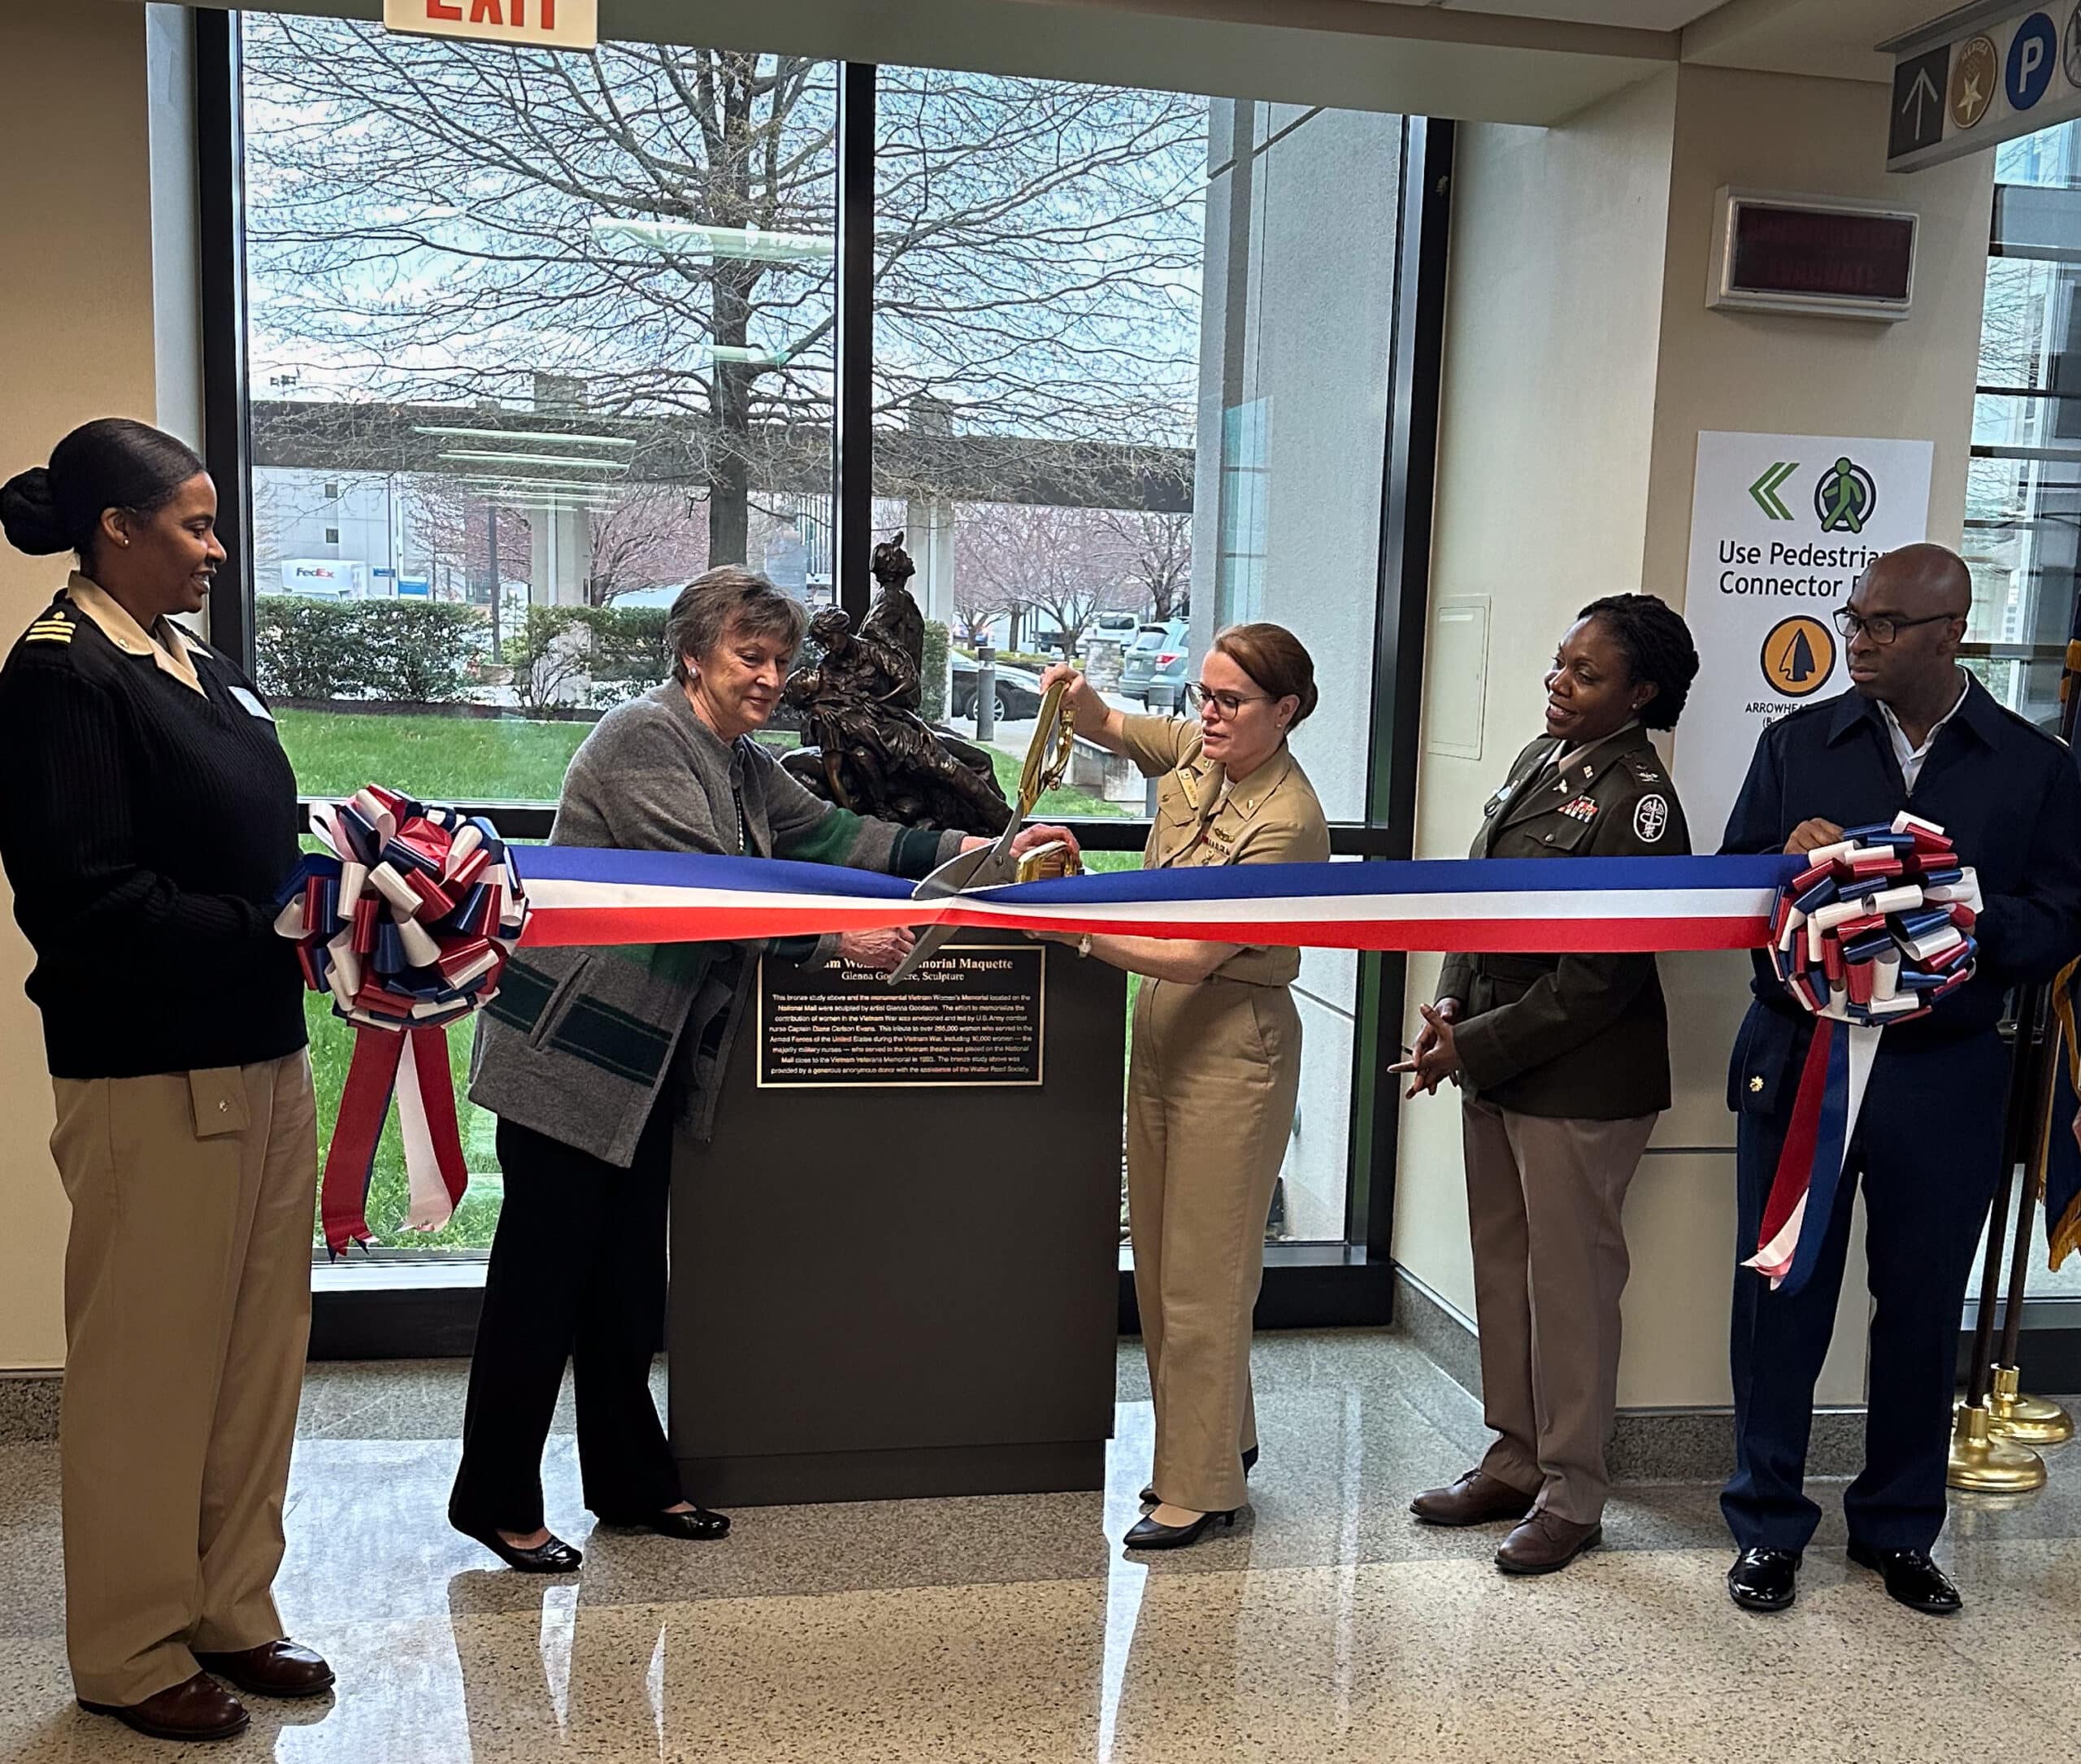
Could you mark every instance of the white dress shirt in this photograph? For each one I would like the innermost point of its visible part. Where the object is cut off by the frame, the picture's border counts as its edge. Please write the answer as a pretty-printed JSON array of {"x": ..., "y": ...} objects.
[{"x": 1911, "y": 756}]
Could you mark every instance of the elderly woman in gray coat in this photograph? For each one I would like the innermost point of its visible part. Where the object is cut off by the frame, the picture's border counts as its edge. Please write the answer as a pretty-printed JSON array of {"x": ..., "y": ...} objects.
[{"x": 589, "y": 1058}]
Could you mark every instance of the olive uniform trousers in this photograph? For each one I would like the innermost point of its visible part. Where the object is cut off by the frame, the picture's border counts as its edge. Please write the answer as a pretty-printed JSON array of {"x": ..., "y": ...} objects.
[
  {"x": 1212, "y": 1082},
  {"x": 187, "y": 1318}
]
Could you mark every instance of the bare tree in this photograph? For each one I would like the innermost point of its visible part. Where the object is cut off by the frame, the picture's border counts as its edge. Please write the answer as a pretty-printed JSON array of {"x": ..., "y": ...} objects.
[
  {"x": 1064, "y": 564},
  {"x": 439, "y": 221},
  {"x": 647, "y": 538},
  {"x": 1158, "y": 543}
]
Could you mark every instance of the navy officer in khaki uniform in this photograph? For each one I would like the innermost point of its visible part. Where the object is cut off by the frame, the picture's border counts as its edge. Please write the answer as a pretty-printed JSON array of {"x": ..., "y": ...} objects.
[
  {"x": 1215, "y": 1068},
  {"x": 1563, "y": 1062}
]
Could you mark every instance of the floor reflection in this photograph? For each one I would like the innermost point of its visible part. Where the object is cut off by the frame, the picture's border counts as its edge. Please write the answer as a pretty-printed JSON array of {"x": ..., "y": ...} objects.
[{"x": 1326, "y": 1626}]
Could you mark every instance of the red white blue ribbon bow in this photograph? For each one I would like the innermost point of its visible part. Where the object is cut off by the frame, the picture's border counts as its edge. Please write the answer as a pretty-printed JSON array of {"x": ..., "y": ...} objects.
[
  {"x": 1874, "y": 931},
  {"x": 407, "y": 925}
]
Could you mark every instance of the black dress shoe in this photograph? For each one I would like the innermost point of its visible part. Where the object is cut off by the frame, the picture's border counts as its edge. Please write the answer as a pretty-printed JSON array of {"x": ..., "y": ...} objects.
[
  {"x": 554, "y": 1557},
  {"x": 197, "y": 1707},
  {"x": 1149, "y": 1496},
  {"x": 698, "y": 1526},
  {"x": 1764, "y": 1579},
  {"x": 1911, "y": 1579},
  {"x": 1149, "y": 1535},
  {"x": 273, "y": 1669}
]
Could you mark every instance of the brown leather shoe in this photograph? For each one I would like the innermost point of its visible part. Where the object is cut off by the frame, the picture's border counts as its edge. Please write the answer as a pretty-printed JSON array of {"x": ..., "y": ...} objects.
[
  {"x": 273, "y": 1669},
  {"x": 195, "y": 1709},
  {"x": 1477, "y": 1498},
  {"x": 1544, "y": 1542}
]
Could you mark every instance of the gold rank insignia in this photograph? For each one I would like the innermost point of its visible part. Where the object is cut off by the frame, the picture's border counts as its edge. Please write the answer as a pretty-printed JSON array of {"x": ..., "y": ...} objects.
[{"x": 52, "y": 627}]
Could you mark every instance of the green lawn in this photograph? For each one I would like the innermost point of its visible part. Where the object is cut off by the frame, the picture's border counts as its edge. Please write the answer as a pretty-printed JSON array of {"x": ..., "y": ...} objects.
[
  {"x": 445, "y": 759},
  {"x": 474, "y": 759}
]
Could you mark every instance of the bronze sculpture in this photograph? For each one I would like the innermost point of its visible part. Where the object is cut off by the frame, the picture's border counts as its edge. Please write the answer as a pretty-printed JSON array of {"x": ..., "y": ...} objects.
[{"x": 867, "y": 748}]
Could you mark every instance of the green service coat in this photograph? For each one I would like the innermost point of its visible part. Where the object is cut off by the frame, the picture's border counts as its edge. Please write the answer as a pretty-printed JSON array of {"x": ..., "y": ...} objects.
[{"x": 1582, "y": 1036}]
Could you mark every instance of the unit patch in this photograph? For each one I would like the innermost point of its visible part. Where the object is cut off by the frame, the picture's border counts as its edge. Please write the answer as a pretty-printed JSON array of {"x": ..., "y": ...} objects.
[
  {"x": 1583, "y": 809},
  {"x": 1650, "y": 817}
]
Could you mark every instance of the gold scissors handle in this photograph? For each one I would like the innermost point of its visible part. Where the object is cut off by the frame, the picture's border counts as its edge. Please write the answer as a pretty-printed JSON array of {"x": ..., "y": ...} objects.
[{"x": 1048, "y": 754}]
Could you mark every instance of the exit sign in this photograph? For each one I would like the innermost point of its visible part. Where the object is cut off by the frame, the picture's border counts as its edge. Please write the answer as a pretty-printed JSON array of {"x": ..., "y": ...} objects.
[{"x": 518, "y": 23}]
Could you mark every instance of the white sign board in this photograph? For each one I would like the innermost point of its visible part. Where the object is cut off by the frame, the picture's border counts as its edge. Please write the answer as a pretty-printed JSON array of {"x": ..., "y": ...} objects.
[
  {"x": 518, "y": 23},
  {"x": 325, "y": 578},
  {"x": 1781, "y": 527},
  {"x": 1980, "y": 76}
]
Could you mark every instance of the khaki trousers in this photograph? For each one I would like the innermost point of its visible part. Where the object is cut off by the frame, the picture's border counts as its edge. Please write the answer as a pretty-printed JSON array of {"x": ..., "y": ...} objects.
[
  {"x": 1211, "y": 1086},
  {"x": 1543, "y": 1197},
  {"x": 187, "y": 1316}
]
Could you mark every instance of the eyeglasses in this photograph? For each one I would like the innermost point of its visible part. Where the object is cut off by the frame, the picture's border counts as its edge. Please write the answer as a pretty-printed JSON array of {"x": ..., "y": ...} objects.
[
  {"x": 1881, "y": 630},
  {"x": 1230, "y": 702}
]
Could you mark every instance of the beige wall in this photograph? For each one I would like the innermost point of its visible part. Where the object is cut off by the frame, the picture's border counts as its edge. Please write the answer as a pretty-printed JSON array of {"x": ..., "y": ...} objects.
[
  {"x": 76, "y": 234},
  {"x": 1565, "y": 472},
  {"x": 1552, "y": 317}
]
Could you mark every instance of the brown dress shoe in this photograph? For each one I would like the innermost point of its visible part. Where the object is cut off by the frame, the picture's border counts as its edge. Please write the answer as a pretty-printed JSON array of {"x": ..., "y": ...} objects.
[
  {"x": 273, "y": 1669},
  {"x": 195, "y": 1709},
  {"x": 1544, "y": 1542},
  {"x": 1477, "y": 1498}
]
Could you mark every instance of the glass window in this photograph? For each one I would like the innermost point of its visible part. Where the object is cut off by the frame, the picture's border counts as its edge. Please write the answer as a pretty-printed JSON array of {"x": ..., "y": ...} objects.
[
  {"x": 533, "y": 340},
  {"x": 1132, "y": 354},
  {"x": 2024, "y": 491}
]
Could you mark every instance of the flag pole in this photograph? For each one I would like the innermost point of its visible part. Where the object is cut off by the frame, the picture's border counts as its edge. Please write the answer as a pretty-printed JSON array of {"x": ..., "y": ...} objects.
[{"x": 1979, "y": 1460}]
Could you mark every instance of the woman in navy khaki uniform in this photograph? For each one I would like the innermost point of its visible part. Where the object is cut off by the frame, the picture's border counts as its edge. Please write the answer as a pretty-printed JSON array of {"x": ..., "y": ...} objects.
[
  {"x": 1563, "y": 1062},
  {"x": 148, "y": 816},
  {"x": 1215, "y": 1069}
]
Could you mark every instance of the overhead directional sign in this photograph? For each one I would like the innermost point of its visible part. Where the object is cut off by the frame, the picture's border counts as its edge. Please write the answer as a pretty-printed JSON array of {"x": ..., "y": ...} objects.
[{"x": 1980, "y": 76}]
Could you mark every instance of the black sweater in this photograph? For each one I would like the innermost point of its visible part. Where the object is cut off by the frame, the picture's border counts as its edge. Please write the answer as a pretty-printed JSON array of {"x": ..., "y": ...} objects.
[{"x": 144, "y": 829}]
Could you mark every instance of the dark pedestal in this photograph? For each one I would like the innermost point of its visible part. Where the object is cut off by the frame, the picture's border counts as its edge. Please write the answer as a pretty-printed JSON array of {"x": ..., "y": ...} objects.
[{"x": 882, "y": 1292}]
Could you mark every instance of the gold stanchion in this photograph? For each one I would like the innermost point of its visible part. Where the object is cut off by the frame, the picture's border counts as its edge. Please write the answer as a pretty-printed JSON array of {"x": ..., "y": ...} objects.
[
  {"x": 2027, "y": 1420},
  {"x": 1981, "y": 1463}
]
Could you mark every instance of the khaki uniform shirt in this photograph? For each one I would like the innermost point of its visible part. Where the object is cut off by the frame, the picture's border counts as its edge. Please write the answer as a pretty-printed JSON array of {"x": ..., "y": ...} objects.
[
  {"x": 1270, "y": 817},
  {"x": 1576, "y": 1036}
]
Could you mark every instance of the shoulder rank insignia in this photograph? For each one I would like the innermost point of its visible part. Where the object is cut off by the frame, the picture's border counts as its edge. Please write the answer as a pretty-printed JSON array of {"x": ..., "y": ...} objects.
[
  {"x": 1582, "y": 809},
  {"x": 53, "y": 626},
  {"x": 1643, "y": 772}
]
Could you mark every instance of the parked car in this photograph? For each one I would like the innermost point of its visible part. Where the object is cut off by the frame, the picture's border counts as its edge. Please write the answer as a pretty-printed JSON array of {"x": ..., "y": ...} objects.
[
  {"x": 1153, "y": 668},
  {"x": 1018, "y": 691}
]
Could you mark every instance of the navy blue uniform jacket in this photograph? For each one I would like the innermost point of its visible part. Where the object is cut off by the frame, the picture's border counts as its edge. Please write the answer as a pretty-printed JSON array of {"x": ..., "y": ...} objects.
[{"x": 2008, "y": 795}]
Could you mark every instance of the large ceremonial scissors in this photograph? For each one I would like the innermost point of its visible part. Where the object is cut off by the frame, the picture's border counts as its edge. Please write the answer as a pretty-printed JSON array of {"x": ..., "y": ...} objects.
[{"x": 993, "y": 866}]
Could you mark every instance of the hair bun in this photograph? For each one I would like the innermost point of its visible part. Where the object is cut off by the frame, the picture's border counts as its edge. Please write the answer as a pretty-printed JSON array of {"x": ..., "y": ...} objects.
[{"x": 29, "y": 514}]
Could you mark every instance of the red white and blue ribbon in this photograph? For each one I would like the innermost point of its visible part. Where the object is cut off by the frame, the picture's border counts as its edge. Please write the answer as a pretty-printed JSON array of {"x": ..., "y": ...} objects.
[
  {"x": 407, "y": 925},
  {"x": 1874, "y": 931},
  {"x": 581, "y": 895}
]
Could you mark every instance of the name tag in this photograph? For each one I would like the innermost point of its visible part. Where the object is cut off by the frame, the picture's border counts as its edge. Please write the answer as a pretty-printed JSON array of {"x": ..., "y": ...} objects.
[{"x": 251, "y": 705}]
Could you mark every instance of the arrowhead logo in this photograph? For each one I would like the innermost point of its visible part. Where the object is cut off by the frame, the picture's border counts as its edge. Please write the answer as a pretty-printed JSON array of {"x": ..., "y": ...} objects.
[{"x": 1764, "y": 490}]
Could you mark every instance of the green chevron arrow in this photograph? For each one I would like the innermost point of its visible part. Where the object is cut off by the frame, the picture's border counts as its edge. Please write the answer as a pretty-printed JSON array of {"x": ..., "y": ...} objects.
[{"x": 1764, "y": 490}]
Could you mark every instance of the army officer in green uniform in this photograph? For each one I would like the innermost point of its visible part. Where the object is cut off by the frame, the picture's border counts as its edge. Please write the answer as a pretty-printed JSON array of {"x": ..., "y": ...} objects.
[{"x": 1563, "y": 1063}]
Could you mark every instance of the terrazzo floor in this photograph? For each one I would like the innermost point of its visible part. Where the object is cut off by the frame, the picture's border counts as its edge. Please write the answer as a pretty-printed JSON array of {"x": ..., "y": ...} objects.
[{"x": 1328, "y": 1626}]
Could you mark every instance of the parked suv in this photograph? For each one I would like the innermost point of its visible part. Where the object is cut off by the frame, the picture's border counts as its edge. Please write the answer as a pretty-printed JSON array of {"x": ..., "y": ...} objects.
[{"x": 1153, "y": 668}]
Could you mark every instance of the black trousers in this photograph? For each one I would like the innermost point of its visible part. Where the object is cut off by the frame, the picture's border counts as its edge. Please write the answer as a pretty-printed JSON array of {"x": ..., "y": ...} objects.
[
  {"x": 577, "y": 1274},
  {"x": 1928, "y": 1150}
]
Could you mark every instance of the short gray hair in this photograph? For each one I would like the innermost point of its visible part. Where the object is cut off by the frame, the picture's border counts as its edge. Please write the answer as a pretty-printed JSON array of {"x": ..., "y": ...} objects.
[{"x": 726, "y": 599}]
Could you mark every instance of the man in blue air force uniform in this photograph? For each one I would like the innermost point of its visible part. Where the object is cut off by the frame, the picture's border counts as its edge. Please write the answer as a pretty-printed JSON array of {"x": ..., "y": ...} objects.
[{"x": 1915, "y": 731}]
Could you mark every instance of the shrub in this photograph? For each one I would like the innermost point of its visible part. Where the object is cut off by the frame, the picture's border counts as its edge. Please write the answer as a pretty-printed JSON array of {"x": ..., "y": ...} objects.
[
  {"x": 305, "y": 649},
  {"x": 413, "y": 651},
  {"x": 420, "y": 651},
  {"x": 557, "y": 648},
  {"x": 932, "y": 671}
]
